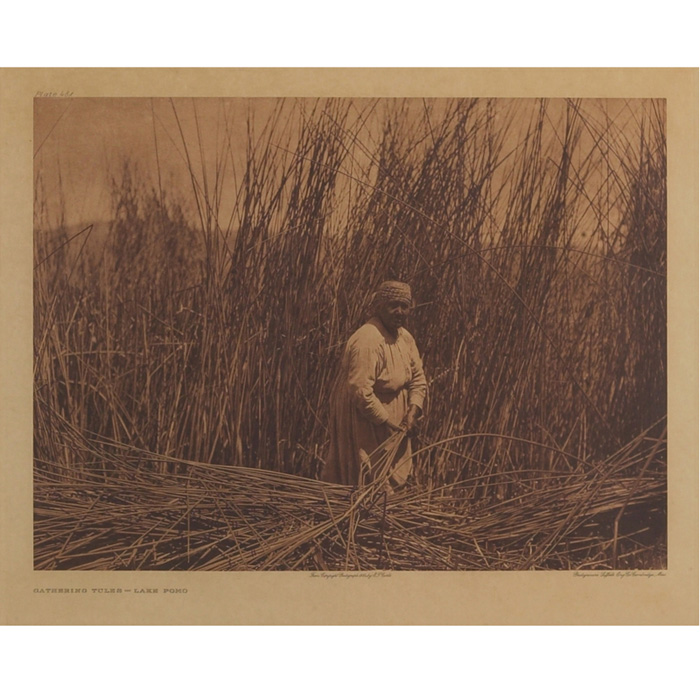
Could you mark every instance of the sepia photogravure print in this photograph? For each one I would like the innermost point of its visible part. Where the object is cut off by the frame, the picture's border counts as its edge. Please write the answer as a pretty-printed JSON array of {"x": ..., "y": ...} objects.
[{"x": 350, "y": 334}]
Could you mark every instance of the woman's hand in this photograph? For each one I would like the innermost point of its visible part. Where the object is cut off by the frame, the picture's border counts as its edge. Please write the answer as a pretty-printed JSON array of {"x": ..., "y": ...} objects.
[{"x": 410, "y": 420}]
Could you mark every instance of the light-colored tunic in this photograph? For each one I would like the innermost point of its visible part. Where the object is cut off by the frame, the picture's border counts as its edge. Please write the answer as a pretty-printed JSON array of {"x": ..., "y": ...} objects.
[{"x": 379, "y": 378}]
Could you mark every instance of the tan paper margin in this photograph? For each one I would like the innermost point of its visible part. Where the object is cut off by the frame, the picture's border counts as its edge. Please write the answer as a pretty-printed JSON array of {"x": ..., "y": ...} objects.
[{"x": 671, "y": 597}]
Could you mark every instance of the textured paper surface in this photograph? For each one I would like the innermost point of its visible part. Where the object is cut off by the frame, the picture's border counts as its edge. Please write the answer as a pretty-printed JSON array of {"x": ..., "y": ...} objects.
[{"x": 668, "y": 597}]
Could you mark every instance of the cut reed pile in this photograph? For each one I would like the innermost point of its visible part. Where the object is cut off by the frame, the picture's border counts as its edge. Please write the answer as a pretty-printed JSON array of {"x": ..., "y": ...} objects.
[{"x": 215, "y": 517}]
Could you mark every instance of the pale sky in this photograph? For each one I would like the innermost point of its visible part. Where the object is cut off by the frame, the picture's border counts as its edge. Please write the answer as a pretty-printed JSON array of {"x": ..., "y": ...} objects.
[{"x": 80, "y": 143}]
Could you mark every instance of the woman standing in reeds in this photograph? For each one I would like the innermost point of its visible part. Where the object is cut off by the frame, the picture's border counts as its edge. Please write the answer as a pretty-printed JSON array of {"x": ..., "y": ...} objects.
[{"x": 379, "y": 391}]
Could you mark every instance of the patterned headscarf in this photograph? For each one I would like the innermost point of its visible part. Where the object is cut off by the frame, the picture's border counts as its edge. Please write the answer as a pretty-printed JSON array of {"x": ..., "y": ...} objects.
[{"x": 392, "y": 291}]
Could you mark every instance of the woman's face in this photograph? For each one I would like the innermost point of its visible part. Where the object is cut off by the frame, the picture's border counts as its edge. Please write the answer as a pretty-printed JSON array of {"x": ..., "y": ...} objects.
[{"x": 394, "y": 314}]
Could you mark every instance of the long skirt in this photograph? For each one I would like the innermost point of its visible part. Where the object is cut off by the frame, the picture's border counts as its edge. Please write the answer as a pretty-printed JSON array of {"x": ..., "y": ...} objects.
[{"x": 353, "y": 454}]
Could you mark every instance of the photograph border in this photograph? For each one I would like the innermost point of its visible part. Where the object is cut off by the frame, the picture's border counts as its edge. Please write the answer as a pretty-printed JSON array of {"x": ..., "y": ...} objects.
[{"x": 444, "y": 598}]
